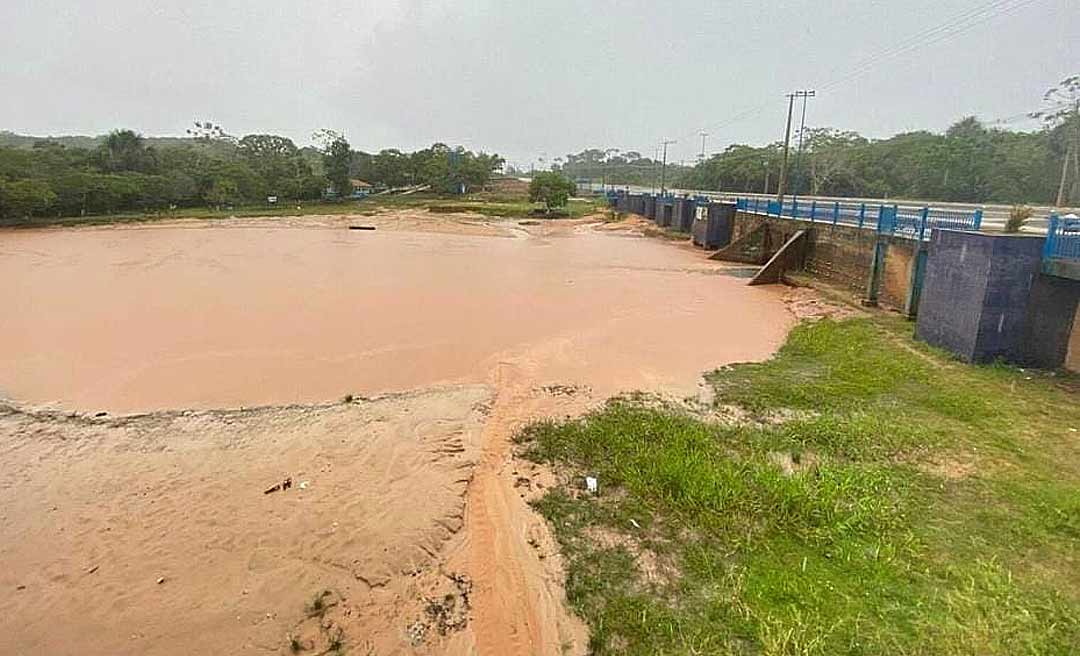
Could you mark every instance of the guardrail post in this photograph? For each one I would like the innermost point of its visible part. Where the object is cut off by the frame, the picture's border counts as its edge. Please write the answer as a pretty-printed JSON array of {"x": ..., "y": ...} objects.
[
  {"x": 978, "y": 218},
  {"x": 813, "y": 210},
  {"x": 1051, "y": 237},
  {"x": 922, "y": 223},
  {"x": 862, "y": 214},
  {"x": 794, "y": 207},
  {"x": 895, "y": 219},
  {"x": 835, "y": 212}
]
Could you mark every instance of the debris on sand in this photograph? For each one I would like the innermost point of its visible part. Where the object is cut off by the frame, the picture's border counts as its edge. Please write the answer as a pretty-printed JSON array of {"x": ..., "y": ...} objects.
[
  {"x": 361, "y": 227},
  {"x": 279, "y": 487},
  {"x": 445, "y": 614}
]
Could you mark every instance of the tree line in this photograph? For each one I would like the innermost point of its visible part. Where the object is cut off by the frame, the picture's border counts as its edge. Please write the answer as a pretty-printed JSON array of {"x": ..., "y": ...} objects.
[
  {"x": 969, "y": 162},
  {"x": 124, "y": 171}
]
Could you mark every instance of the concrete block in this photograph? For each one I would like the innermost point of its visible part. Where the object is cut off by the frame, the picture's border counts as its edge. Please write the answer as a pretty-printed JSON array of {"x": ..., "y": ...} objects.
[
  {"x": 714, "y": 228},
  {"x": 683, "y": 215},
  {"x": 978, "y": 301},
  {"x": 665, "y": 211},
  {"x": 650, "y": 207}
]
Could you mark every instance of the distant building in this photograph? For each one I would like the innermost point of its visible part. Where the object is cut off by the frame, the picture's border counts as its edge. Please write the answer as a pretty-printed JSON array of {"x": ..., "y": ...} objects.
[{"x": 361, "y": 188}]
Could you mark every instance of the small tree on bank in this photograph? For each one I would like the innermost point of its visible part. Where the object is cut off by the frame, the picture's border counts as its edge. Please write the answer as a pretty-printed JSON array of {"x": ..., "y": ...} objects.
[
  {"x": 551, "y": 189},
  {"x": 337, "y": 158}
]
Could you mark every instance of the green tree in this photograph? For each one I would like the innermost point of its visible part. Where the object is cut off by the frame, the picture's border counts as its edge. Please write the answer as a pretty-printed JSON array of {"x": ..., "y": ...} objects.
[
  {"x": 551, "y": 189},
  {"x": 1061, "y": 114},
  {"x": 337, "y": 159},
  {"x": 278, "y": 162},
  {"x": 125, "y": 150},
  {"x": 21, "y": 198}
]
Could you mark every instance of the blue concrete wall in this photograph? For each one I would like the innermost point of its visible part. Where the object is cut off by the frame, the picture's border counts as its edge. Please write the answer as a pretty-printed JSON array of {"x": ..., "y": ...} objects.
[
  {"x": 715, "y": 229},
  {"x": 665, "y": 212},
  {"x": 683, "y": 216},
  {"x": 984, "y": 298},
  {"x": 1051, "y": 320}
]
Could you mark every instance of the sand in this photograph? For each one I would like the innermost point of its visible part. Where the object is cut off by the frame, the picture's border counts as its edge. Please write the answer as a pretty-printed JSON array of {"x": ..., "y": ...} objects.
[{"x": 221, "y": 352}]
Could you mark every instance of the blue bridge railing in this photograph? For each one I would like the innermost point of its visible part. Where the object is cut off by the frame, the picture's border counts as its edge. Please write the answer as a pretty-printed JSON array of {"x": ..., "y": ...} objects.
[
  {"x": 913, "y": 222},
  {"x": 1062, "y": 238}
]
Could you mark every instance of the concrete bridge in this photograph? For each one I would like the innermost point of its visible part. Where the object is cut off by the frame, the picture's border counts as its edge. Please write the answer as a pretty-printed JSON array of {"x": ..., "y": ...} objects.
[{"x": 981, "y": 295}]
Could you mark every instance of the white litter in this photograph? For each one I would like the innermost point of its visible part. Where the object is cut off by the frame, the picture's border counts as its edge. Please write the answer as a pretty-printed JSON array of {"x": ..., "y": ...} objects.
[
  {"x": 303, "y": 485},
  {"x": 634, "y": 522},
  {"x": 592, "y": 485}
]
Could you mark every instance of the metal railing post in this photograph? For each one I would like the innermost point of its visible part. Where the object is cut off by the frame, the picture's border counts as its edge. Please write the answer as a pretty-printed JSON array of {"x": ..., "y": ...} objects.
[
  {"x": 836, "y": 212},
  {"x": 922, "y": 222},
  {"x": 862, "y": 214},
  {"x": 813, "y": 210},
  {"x": 1051, "y": 237},
  {"x": 978, "y": 218},
  {"x": 794, "y": 207}
]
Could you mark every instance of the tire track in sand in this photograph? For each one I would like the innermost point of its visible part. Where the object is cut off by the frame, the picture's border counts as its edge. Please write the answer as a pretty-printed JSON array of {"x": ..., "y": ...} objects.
[{"x": 519, "y": 604}]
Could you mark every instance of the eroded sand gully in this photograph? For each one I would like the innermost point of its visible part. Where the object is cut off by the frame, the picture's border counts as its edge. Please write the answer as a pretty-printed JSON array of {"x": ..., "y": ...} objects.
[{"x": 408, "y": 497}]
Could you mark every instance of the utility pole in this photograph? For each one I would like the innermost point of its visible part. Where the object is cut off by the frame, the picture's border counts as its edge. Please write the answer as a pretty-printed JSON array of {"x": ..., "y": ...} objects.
[
  {"x": 802, "y": 129},
  {"x": 787, "y": 142},
  {"x": 1070, "y": 152},
  {"x": 656, "y": 158},
  {"x": 663, "y": 167},
  {"x": 765, "y": 165},
  {"x": 703, "y": 134}
]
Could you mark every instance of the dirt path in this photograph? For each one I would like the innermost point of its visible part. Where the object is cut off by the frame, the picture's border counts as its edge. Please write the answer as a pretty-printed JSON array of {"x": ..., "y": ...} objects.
[
  {"x": 507, "y": 549},
  {"x": 405, "y": 527}
]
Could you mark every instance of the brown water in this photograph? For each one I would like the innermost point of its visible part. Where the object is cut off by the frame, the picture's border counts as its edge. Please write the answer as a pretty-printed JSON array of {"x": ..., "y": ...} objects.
[{"x": 145, "y": 318}]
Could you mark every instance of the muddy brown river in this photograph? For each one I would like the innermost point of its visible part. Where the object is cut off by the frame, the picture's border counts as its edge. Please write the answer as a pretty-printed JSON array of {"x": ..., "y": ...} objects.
[
  {"x": 231, "y": 345},
  {"x": 124, "y": 319}
]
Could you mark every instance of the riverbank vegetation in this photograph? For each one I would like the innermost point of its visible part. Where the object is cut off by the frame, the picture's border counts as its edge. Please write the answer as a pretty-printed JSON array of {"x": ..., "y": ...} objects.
[
  {"x": 489, "y": 204},
  {"x": 124, "y": 172},
  {"x": 860, "y": 493}
]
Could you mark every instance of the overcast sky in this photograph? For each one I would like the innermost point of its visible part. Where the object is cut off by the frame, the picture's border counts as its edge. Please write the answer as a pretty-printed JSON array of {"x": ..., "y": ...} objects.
[{"x": 525, "y": 78}]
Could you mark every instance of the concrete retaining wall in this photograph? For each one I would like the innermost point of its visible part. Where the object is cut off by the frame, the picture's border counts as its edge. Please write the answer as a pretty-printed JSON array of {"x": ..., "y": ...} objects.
[
  {"x": 841, "y": 256},
  {"x": 985, "y": 297}
]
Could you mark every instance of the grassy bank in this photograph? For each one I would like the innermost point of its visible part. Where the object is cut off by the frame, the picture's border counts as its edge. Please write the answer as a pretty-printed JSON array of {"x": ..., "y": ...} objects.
[
  {"x": 871, "y": 497},
  {"x": 487, "y": 204}
]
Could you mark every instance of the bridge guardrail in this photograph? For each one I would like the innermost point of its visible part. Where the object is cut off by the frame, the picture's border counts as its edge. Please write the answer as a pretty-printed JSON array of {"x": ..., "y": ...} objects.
[
  {"x": 1062, "y": 238},
  {"x": 905, "y": 221}
]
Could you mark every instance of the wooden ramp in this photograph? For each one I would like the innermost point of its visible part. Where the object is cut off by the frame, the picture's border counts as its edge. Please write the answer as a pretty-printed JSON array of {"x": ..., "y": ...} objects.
[{"x": 789, "y": 256}]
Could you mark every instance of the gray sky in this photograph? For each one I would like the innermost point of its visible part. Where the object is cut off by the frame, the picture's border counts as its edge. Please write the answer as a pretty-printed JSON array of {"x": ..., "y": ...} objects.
[{"x": 521, "y": 78}]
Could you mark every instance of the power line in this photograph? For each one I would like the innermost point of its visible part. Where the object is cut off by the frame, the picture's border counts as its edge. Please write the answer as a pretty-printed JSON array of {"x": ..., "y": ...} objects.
[
  {"x": 934, "y": 35},
  {"x": 953, "y": 26}
]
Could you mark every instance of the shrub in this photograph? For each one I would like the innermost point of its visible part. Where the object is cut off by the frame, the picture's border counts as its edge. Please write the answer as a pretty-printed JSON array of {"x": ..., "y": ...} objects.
[
  {"x": 1018, "y": 216},
  {"x": 551, "y": 189}
]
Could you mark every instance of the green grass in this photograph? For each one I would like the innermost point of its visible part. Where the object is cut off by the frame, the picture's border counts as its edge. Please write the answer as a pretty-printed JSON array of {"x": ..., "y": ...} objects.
[
  {"x": 934, "y": 507},
  {"x": 488, "y": 204}
]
